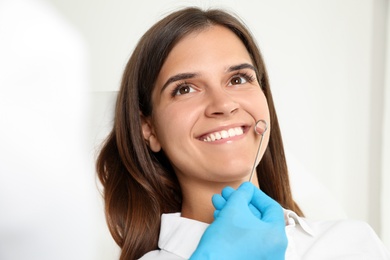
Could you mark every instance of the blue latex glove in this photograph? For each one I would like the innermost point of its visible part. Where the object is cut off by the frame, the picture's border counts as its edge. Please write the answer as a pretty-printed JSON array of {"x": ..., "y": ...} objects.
[
  {"x": 242, "y": 231},
  {"x": 220, "y": 201}
]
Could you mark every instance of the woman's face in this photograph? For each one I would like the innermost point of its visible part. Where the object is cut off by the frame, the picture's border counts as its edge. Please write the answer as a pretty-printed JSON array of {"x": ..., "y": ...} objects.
[{"x": 205, "y": 105}]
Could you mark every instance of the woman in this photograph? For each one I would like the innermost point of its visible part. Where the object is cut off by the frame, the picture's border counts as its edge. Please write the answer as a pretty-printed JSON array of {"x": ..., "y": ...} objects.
[{"x": 184, "y": 129}]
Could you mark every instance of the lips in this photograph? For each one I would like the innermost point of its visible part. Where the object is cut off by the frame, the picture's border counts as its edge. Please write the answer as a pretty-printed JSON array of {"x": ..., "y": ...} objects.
[{"x": 223, "y": 134}]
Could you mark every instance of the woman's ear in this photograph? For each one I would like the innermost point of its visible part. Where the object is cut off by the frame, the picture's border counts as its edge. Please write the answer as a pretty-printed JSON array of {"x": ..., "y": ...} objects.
[{"x": 149, "y": 134}]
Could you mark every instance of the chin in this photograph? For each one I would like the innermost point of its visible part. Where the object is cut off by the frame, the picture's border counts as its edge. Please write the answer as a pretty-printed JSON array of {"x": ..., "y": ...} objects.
[{"x": 233, "y": 176}]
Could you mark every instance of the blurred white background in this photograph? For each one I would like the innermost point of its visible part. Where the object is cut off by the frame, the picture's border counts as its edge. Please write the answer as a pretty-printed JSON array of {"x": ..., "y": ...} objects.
[{"x": 61, "y": 62}]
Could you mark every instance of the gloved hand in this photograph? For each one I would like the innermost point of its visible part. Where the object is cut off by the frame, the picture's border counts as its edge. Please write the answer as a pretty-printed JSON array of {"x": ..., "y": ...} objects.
[
  {"x": 241, "y": 231},
  {"x": 219, "y": 202}
]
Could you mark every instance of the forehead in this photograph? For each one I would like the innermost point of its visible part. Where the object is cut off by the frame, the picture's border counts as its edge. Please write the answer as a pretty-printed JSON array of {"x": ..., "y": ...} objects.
[{"x": 212, "y": 46}]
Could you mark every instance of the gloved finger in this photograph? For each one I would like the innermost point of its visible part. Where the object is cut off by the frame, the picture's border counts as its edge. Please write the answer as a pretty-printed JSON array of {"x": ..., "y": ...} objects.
[
  {"x": 270, "y": 210},
  {"x": 242, "y": 196},
  {"x": 255, "y": 211},
  {"x": 216, "y": 213},
  {"x": 226, "y": 194},
  {"x": 218, "y": 201},
  {"x": 227, "y": 191}
]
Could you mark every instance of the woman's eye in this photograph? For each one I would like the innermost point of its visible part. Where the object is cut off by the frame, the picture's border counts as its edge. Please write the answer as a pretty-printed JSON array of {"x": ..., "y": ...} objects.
[
  {"x": 182, "y": 90},
  {"x": 237, "y": 80}
]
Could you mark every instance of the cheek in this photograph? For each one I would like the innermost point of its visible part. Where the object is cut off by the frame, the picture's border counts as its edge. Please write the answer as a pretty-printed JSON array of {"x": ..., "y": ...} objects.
[
  {"x": 264, "y": 110},
  {"x": 257, "y": 106},
  {"x": 265, "y": 115},
  {"x": 173, "y": 125}
]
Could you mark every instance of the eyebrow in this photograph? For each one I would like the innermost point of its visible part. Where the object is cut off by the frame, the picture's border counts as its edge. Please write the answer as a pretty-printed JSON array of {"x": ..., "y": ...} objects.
[
  {"x": 178, "y": 77},
  {"x": 241, "y": 66},
  {"x": 183, "y": 76}
]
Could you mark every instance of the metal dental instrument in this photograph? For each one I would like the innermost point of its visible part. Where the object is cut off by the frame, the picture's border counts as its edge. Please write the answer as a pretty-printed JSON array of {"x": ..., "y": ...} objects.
[{"x": 260, "y": 129}]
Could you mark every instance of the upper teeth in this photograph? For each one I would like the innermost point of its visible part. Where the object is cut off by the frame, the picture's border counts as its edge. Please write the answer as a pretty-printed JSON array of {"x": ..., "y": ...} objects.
[{"x": 224, "y": 134}]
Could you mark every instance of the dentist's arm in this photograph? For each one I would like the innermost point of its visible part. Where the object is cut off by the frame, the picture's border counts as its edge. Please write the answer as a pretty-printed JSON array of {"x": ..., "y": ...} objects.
[{"x": 248, "y": 225}]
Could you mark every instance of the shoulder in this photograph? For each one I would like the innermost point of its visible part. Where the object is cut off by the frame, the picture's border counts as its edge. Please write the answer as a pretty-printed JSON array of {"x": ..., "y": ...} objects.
[
  {"x": 350, "y": 228},
  {"x": 343, "y": 239},
  {"x": 178, "y": 238}
]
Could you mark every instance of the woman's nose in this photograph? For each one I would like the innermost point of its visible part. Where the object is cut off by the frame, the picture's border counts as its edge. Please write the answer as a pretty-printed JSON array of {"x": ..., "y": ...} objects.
[{"x": 220, "y": 104}]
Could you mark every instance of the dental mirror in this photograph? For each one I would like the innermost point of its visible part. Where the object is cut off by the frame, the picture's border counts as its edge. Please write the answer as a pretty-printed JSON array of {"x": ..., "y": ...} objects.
[{"x": 260, "y": 129}]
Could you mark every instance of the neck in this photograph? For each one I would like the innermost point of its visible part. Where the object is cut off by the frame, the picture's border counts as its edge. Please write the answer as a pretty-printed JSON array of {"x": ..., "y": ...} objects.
[{"x": 197, "y": 196}]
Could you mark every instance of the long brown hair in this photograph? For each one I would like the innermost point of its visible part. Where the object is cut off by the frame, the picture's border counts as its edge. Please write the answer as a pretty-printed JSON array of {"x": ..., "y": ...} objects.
[{"x": 140, "y": 185}]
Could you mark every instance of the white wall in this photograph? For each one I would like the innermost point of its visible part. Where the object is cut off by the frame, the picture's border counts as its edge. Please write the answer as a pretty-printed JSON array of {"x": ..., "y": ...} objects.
[
  {"x": 326, "y": 61},
  {"x": 49, "y": 205},
  {"x": 385, "y": 184}
]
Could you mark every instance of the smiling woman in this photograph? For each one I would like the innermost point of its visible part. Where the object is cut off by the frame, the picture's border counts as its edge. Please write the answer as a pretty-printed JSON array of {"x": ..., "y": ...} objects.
[
  {"x": 190, "y": 97},
  {"x": 222, "y": 94}
]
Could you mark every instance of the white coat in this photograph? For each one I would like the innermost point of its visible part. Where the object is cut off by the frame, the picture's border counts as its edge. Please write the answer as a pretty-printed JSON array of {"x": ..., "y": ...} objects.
[{"x": 343, "y": 240}]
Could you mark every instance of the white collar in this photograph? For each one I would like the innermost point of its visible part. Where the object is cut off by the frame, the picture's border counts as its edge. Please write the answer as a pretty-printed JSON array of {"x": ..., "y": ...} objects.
[
  {"x": 292, "y": 219},
  {"x": 181, "y": 236}
]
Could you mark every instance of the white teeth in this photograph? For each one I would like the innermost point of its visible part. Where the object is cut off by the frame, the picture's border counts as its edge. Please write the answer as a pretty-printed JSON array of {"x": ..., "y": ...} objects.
[
  {"x": 232, "y": 132},
  {"x": 224, "y": 134},
  {"x": 238, "y": 131}
]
